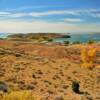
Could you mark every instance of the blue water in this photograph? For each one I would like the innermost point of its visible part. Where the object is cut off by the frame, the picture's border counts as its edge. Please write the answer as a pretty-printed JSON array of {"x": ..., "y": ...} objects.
[
  {"x": 4, "y": 35},
  {"x": 80, "y": 37},
  {"x": 74, "y": 37}
]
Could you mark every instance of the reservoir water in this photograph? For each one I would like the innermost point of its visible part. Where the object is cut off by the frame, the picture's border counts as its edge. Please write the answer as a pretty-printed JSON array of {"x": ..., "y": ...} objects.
[{"x": 82, "y": 37}]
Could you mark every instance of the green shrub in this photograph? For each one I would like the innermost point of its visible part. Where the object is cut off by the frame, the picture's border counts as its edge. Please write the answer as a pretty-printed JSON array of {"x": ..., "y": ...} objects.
[
  {"x": 66, "y": 42},
  {"x": 50, "y": 40},
  {"x": 75, "y": 86},
  {"x": 90, "y": 41},
  {"x": 76, "y": 42}
]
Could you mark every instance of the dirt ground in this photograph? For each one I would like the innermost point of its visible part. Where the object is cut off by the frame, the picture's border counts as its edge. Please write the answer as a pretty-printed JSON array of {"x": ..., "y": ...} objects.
[{"x": 48, "y": 70}]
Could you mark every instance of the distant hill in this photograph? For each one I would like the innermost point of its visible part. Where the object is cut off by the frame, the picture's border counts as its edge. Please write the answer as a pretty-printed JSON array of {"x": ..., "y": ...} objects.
[{"x": 31, "y": 36}]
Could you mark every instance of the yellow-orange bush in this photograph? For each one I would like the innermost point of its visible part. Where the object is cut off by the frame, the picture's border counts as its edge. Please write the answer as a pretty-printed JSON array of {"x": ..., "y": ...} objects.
[
  {"x": 19, "y": 95},
  {"x": 88, "y": 54}
]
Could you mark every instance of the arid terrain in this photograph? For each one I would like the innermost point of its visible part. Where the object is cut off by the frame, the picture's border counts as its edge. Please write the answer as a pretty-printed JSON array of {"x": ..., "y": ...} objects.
[{"x": 48, "y": 69}]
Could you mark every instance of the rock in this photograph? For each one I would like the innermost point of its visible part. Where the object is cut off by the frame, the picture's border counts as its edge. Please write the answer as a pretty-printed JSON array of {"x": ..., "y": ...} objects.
[
  {"x": 3, "y": 87},
  {"x": 59, "y": 98}
]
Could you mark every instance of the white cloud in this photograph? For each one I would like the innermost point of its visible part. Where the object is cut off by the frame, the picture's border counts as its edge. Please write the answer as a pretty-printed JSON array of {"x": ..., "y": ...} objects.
[
  {"x": 39, "y": 14},
  {"x": 13, "y": 22},
  {"x": 35, "y": 26},
  {"x": 9, "y": 26},
  {"x": 18, "y": 15},
  {"x": 97, "y": 15},
  {"x": 10, "y": 14},
  {"x": 77, "y": 12},
  {"x": 72, "y": 20},
  {"x": 4, "y": 13},
  {"x": 89, "y": 27},
  {"x": 54, "y": 12}
]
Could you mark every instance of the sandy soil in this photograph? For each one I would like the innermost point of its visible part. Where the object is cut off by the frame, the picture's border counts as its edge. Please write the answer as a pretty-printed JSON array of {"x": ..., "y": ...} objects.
[{"x": 48, "y": 70}]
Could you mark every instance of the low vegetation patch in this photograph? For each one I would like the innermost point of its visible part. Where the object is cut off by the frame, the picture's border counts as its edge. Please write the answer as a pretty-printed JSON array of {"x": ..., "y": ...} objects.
[
  {"x": 88, "y": 55},
  {"x": 18, "y": 95}
]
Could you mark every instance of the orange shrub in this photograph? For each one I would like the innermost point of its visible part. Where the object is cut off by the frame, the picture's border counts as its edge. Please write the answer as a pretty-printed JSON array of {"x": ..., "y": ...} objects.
[{"x": 88, "y": 54}]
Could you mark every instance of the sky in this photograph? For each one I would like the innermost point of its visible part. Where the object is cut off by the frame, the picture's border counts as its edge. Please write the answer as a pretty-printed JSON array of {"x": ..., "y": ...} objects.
[{"x": 59, "y": 16}]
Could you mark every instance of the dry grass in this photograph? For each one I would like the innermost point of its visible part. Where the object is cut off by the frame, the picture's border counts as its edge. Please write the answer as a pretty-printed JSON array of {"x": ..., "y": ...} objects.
[
  {"x": 18, "y": 95},
  {"x": 46, "y": 70}
]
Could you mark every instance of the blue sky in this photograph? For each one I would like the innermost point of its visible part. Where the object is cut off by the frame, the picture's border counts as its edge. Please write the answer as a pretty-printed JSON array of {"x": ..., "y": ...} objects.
[{"x": 49, "y": 16}]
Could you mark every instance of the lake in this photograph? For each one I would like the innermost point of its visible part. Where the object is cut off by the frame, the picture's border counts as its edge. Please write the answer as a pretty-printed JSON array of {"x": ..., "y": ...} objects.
[
  {"x": 80, "y": 37},
  {"x": 74, "y": 37},
  {"x": 4, "y": 35}
]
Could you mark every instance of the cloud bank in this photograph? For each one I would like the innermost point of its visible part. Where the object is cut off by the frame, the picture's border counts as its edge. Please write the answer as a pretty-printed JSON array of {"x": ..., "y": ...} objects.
[
  {"x": 73, "y": 21},
  {"x": 42, "y": 26}
]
